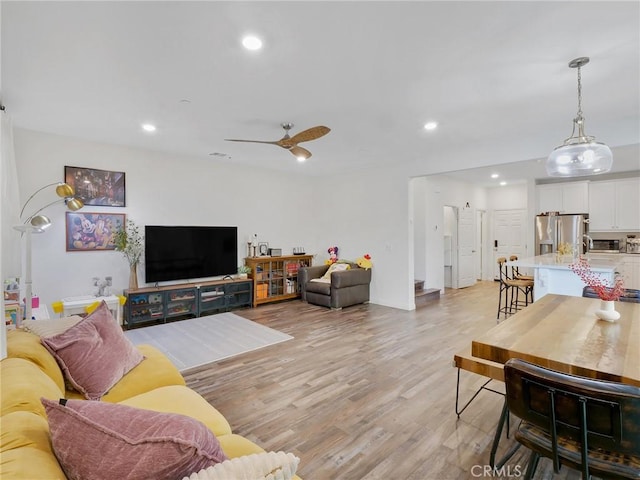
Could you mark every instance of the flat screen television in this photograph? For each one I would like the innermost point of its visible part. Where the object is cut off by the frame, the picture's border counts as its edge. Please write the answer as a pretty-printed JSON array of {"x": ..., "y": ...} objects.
[{"x": 184, "y": 253}]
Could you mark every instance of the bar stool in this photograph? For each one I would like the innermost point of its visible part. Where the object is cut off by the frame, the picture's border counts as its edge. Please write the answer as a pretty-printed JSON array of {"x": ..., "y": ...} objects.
[
  {"x": 510, "y": 289},
  {"x": 515, "y": 273},
  {"x": 528, "y": 289},
  {"x": 505, "y": 289}
]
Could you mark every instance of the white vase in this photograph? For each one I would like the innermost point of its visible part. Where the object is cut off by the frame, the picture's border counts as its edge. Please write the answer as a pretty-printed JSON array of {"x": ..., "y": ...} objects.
[{"x": 607, "y": 311}]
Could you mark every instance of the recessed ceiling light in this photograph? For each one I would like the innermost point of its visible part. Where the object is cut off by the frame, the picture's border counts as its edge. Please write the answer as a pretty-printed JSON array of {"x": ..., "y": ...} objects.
[
  {"x": 251, "y": 42},
  {"x": 503, "y": 183},
  {"x": 147, "y": 127},
  {"x": 431, "y": 125},
  {"x": 494, "y": 175}
]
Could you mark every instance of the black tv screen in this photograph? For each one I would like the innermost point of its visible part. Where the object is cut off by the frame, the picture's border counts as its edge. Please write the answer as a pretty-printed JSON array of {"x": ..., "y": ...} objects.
[{"x": 182, "y": 252}]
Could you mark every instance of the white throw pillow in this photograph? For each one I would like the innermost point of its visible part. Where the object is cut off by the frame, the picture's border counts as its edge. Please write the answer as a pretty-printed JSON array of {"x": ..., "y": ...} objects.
[
  {"x": 49, "y": 328},
  {"x": 257, "y": 466},
  {"x": 335, "y": 267}
]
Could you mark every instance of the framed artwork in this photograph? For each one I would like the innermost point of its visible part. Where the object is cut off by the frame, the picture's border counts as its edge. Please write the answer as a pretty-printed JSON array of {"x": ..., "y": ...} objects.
[
  {"x": 102, "y": 188},
  {"x": 86, "y": 231},
  {"x": 263, "y": 249}
]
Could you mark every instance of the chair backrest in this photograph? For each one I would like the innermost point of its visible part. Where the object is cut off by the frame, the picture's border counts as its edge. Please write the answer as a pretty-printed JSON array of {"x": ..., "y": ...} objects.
[
  {"x": 595, "y": 413},
  {"x": 629, "y": 294},
  {"x": 502, "y": 268},
  {"x": 514, "y": 270}
]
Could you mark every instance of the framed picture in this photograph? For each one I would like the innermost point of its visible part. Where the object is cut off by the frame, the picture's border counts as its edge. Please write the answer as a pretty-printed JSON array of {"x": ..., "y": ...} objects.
[
  {"x": 102, "y": 188},
  {"x": 263, "y": 249},
  {"x": 86, "y": 231}
]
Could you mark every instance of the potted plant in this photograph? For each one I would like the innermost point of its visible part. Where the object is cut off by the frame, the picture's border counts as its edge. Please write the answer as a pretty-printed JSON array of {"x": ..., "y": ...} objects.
[
  {"x": 128, "y": 240},
  {"x": 244, "y": 271},
  {"x": 607, "y": 293}
]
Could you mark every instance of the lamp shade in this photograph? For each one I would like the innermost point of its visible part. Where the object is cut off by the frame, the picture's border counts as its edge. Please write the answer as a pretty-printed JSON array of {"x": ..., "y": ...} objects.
[
  {"x": 41, "y": 222},
  {"x": 74, "y": 204},
  {"x": 64, "y": 190},
  {"x": 579, "y": 159}
]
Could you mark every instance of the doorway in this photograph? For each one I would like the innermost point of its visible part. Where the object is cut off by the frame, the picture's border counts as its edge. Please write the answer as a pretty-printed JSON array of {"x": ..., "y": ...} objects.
[
  {"x": 450, "y": 246},
  {"x": 510, "y": 232},
  {"x": 481, "y": 240},
  {"x": 459, "y": 247}
]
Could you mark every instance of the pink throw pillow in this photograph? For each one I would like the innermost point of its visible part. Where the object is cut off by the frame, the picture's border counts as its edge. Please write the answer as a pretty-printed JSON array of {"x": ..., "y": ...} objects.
[
  {"x": 94, "y": 354},
  {"x": 101, "y": 440}
]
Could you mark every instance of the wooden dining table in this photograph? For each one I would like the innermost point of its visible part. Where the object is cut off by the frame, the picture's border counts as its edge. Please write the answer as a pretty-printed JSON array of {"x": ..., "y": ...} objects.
[{"x": 563, "y": 333}]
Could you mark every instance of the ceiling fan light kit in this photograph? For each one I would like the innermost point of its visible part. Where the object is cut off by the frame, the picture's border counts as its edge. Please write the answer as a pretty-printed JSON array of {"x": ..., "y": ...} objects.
[
  {"x": 291, "y": 143},
  {"x": 580, "y": 154}
]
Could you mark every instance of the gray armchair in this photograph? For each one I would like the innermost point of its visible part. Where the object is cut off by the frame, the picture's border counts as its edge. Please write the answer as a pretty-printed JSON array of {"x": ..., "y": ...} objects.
[{"x": 347, "y": 287}]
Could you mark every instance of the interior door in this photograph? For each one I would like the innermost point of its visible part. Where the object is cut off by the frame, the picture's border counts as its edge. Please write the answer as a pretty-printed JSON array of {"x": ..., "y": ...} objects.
[
  {"x": 466, "y": 248},
  {"x": 510, "y": 231}
]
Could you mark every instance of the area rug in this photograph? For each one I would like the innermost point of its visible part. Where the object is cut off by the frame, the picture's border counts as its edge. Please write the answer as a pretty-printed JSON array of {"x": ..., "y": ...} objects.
[{"x": 198, "y": 341}]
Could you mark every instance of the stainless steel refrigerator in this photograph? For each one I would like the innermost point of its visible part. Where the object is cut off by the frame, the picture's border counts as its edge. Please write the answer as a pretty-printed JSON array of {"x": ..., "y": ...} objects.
[{"x": 552, "y": 230}]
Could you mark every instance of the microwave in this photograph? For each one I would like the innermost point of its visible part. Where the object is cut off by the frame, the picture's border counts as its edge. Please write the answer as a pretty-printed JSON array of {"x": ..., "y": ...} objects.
[{"x": 605, "y": 246}]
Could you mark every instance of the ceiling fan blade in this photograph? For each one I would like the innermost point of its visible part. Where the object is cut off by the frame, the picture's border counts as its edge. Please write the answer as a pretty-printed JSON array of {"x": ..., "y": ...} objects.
[
  {"x": 300, "y": 152},
  {"x": 309, "y": 134},
  {"x": 250, "y": 141}
]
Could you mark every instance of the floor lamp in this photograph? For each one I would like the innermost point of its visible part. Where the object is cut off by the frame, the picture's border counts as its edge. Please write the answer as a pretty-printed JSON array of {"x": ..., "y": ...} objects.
[{"x": 36, "y": 223}]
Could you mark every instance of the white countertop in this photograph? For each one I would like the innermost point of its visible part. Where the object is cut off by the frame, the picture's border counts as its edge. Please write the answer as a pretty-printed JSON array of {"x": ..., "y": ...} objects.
[{"x": 549, "y": 261}]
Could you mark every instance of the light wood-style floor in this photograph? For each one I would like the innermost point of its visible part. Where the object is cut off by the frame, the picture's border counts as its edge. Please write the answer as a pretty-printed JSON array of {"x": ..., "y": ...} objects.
[{"x": 367, "y": 392}]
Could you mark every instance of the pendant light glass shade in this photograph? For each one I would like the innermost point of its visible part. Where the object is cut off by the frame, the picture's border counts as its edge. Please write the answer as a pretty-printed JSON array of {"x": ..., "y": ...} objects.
[
  {"x": 580, "y": 154},
  {"x": 579, "y": 159}
]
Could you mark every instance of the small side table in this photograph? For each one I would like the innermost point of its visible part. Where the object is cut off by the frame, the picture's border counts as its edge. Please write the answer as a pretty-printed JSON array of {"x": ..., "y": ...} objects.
[{"x": 78, "y": 305}]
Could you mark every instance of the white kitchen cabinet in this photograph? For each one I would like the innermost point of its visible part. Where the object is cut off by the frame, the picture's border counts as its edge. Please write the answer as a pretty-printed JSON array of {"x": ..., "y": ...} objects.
[
  {"x": 628, "y": 266},
  {"x": 631, "y": 271},
  {"x": 570, "y": 197},
  {"x": 613, "y": 205}
]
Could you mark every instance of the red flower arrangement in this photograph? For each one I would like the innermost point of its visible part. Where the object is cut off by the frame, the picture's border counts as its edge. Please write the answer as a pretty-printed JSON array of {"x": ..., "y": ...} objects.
[{"x": 593, "y": 280}]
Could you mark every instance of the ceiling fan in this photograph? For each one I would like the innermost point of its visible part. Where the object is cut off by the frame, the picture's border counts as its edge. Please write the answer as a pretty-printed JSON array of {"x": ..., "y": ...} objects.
[{"x": 291, "y": 143}]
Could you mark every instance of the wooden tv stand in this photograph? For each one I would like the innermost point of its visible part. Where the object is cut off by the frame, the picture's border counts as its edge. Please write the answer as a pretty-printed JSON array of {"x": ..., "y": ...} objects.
[{"x": 195, "y": 299}]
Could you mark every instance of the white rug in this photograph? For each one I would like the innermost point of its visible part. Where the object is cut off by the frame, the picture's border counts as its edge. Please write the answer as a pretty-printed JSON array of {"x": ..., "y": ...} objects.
[{"x": 198, "y": 341}]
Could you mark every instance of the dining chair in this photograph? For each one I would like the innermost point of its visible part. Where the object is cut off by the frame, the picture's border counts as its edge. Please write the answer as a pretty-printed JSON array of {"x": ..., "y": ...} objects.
[
  {"x": 586, "y": 424},
  {"x": 629, "y": 294}
]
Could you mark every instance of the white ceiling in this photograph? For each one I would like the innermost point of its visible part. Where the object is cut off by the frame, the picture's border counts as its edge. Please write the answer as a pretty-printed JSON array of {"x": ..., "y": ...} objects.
[{"x": 493, "y": 74}]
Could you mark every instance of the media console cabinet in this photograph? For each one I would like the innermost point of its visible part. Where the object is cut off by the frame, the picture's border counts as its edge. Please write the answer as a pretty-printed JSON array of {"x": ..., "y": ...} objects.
[
  {"x": 150, "y": 304},
  {"x": 276, "y": 278}
]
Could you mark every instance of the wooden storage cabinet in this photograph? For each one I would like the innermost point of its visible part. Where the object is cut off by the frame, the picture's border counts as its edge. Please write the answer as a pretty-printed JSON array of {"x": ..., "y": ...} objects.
[
  {"x": 157, "y": 304},
  {"x": 276, "y": 278}
]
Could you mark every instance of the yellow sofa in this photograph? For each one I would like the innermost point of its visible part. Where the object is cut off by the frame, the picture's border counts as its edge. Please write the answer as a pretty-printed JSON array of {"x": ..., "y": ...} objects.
[{"x": 29, "y": 372}]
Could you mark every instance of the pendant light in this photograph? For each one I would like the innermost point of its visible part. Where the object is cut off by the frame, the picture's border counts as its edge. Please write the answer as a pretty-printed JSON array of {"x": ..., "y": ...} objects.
[{"x": 580, "y": 154}]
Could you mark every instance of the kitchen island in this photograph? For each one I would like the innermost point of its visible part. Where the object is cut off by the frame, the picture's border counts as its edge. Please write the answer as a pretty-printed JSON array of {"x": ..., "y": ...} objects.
[{"x": 553, "y": 275}]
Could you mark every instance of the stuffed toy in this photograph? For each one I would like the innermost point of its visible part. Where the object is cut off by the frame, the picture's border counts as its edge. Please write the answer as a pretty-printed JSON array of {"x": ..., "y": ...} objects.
[
  {"x": 333, "y": 255},
  {"x": 364, "y": 261}
]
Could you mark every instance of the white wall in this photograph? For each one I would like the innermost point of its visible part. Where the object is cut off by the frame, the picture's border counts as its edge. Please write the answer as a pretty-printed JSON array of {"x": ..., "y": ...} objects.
[
  {"x": 361, "y": 213},
  {"x": 368, "y": 212},
  {"x": 161, "y": 189}
]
